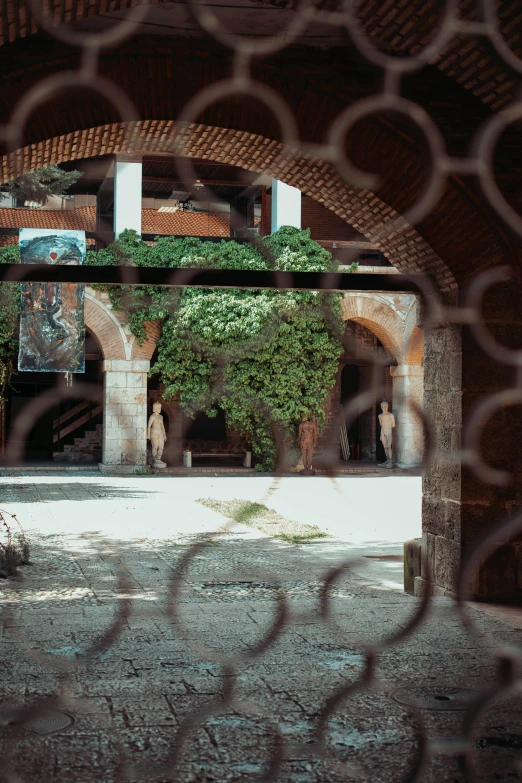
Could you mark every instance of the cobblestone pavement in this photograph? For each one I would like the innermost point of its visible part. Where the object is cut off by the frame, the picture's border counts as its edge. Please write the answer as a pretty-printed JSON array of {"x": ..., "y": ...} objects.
[{"x": 132, "y": 698}]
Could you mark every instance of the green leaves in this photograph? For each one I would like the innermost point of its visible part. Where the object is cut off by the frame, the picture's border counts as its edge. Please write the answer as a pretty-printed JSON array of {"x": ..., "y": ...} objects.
[
  {"x": 262, "y": 356},
  {"x": 38, "y": 185},
  {"x": 9, "y": 320}
]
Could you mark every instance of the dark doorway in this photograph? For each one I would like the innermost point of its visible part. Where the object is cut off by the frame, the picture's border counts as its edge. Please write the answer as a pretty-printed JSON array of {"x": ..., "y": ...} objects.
[
  {"x": 355, "y": 379},
  {"x": 205, "y": 427},
  {"x": 41, "y": 444},
  {"x": 350, "y": 387},
  {"x": 22, "y": 390}
]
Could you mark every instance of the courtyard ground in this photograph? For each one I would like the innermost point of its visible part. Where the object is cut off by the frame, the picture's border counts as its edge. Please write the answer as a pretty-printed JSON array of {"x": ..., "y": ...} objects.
[{"x": 245, "y": 647}]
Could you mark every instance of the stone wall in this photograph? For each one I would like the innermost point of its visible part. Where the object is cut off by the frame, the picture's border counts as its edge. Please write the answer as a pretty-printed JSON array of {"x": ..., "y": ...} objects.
[
  {"x": 458, "y": 507},
  {"x": 125, "y": 413}
]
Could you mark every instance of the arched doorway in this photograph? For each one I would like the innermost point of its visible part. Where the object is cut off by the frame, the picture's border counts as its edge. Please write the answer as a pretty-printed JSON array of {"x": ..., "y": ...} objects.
[
  {"x": 359, "y": 375},
  {"x": 69, "y": 430},
  {"x": 78, "y": 429}
]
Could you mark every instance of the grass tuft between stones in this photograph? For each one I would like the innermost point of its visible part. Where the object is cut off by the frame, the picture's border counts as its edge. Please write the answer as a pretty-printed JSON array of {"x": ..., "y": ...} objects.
[{"x": 265, "y": 519}]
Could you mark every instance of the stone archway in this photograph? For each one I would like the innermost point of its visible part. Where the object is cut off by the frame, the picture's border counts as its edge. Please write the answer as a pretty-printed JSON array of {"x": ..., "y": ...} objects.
[
  {"x": 125, "y": 367},
  {"x": 104, "y": 325},
  {"x": 380, "y": 317},
  {"x": 415, "y": 347},
  {"x": 389, "y": 318}
]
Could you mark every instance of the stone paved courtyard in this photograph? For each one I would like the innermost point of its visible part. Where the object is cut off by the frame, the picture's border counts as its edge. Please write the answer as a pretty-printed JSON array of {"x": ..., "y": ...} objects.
[{"x": 103, "y": 545}]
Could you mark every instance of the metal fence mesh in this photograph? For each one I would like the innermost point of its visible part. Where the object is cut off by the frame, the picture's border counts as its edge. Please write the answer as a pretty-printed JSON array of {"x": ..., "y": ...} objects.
[{"x": 424, "y": 745}]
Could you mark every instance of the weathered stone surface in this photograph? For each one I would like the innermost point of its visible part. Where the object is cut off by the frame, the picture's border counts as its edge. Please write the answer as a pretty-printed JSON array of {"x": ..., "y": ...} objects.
[
  {"x": 446, "y": 562},
  {"x": 131, "y": 700},
  {"x": 124, "y": 437}
]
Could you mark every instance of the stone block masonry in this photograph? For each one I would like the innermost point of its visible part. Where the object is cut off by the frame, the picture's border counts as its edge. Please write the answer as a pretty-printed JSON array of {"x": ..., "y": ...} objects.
[{"x": 125, "y": 410}]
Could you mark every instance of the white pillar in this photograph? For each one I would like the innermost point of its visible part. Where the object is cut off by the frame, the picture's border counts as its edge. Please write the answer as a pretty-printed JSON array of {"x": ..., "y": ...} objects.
[
  {"x": 127, "y": 196},
  {"x": 286, "y": 205},
  {"x": 124, "y": 414},
  {"x": 408, "y": 385}
]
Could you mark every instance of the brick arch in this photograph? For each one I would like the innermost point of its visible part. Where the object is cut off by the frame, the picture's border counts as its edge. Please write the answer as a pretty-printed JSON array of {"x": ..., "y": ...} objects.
[
  {"x": 89, "y": 330},
  {"x": 379, "y": 318},
  {"x": 105, "y": 327},
  {"x": 405, "y": 247},
  {"x": 469, "y": 61},
  {"x": 415, "y": 347},
  {"x": 146, "y": 350}
]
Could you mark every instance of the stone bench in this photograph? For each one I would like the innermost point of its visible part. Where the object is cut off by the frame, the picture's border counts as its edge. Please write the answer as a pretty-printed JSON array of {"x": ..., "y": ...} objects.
[{"x": 215, "y": 449}]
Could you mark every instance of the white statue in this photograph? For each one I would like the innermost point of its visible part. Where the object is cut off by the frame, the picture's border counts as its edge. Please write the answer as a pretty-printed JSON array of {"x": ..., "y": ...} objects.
[
  {"x": 387, "y": 422},
  {"x": 157, "y": 435}
]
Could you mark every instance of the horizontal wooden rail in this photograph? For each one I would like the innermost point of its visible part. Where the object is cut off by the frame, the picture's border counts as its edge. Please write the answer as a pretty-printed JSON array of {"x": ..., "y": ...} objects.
[
  {"x": 215, "y": 278},
  {"x": 78, "y": 423},
  {"x": 69, "y": 414}
]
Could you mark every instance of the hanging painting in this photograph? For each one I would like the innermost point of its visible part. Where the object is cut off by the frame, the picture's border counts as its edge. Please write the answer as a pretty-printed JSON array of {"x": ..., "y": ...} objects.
[{"x": 52, "y": 329}]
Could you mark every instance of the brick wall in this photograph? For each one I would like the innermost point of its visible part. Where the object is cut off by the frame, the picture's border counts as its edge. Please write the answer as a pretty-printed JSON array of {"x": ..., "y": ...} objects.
[{"x": 322, "y": 222}]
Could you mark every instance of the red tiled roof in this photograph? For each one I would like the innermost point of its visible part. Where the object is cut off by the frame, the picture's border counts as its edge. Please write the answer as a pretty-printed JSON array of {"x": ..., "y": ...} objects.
[
  {"x": 80, "y": 219},
  {"x": 193, "y": 224},
  {"x": 179, "y": 223}
]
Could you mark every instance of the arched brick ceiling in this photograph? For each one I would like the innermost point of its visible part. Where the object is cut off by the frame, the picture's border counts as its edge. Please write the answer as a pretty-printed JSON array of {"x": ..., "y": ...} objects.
[
  {"x": 461, "y": 230},
  {"x": 379, "y": 318},
  {"x": 405, "y": 247},
  {"x": 401, "y": 28}
]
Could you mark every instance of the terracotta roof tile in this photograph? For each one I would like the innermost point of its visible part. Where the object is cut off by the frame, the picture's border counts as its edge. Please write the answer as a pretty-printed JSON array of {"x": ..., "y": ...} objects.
[
  {"x": 179, "y": 223},
  {"x": 194, "y": 224},
  {"x": 81, "y": 218},
  {"x": 12, "y": 239}
]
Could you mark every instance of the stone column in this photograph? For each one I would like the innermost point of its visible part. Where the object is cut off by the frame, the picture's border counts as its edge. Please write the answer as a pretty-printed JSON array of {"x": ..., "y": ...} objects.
[
  {"x": 124, "y": 415},
  {"x": 458, "y": 508},
  {"x": 408, "y": 385},
  {"x": 286, "y": 205},
  {"x": 127, "y": 194}
]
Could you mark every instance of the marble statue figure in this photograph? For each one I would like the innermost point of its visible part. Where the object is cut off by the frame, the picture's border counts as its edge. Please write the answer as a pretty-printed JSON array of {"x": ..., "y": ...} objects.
[
  {"x": 157, "y": 435},
  {"x": 387, "y": 422}
]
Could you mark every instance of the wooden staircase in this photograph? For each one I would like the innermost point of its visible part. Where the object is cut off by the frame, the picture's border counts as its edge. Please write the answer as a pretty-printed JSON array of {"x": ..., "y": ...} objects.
[{"x": 88, "y": 447}]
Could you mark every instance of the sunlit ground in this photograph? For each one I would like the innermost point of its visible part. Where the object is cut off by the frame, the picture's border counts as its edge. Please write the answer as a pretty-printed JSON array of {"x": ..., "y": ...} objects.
[{"x": 371, "y": 516}]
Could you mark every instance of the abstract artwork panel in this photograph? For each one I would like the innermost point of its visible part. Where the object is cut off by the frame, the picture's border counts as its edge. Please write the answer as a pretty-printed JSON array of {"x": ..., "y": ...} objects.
[{"x": 52, "y": 327}]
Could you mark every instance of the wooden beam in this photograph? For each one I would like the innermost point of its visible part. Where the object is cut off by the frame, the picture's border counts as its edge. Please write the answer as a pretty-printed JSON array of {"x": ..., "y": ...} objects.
[
  {"x": 215, "y": 278},
  {"x": 177, "y": 181}
]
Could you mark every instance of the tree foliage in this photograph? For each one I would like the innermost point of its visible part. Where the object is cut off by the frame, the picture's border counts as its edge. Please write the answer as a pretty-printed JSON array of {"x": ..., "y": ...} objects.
[
  {"x": 9, "y": 320},
  {"x": 262, "y": 356},
  {"x": 38, "y": 185}
]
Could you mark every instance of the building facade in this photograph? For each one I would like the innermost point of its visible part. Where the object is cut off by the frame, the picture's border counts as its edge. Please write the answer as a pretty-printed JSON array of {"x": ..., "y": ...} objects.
[{"x": 382, "y": 330}]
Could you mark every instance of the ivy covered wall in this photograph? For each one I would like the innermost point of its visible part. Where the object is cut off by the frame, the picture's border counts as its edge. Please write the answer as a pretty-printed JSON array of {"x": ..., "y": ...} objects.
[{"x": 263, "y": 357}]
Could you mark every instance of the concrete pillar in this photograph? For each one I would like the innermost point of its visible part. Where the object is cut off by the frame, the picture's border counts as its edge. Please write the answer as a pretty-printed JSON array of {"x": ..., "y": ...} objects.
[
  {"x": 124, "y": 414},
  {"x": 286, "y": 205},
  {"x": 408, "y": 385},
  {"x": 127, "y": 195}
]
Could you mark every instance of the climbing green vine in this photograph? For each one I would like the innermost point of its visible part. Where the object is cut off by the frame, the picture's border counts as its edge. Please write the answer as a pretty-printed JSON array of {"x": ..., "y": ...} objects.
[
  {"x": 262, "y": 356},
  {"x": 9, "y": 320}
]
